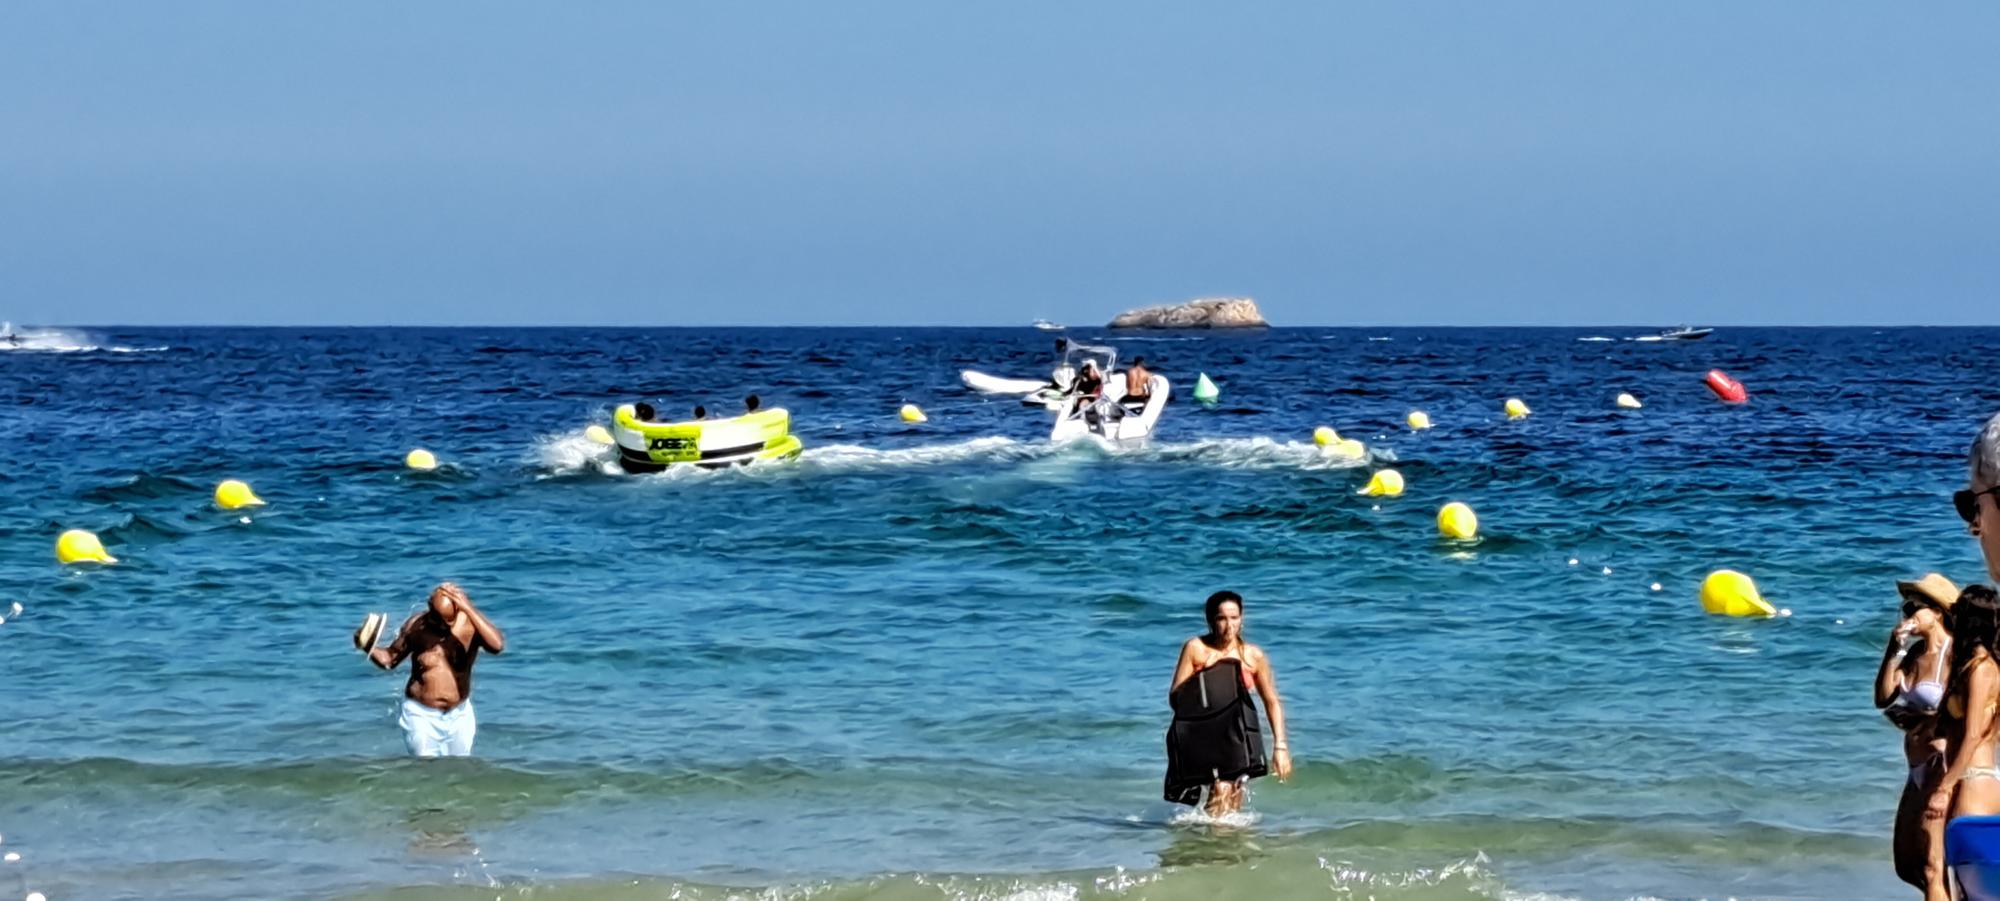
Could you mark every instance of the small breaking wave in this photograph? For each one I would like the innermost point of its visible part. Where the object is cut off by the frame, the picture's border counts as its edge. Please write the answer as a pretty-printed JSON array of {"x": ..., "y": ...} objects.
[{"x": 1188, "y": 872}]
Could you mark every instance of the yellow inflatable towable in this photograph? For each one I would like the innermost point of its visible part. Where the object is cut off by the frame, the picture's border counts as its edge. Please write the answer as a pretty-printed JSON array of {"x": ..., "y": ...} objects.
[{"x": 707, "y": 443}]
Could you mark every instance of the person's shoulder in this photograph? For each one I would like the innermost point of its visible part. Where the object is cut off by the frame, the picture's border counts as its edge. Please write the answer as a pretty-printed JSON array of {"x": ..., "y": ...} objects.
[
  {"x": 1981, "y": 672},
  {"x": 1255, "y": 653},
  {"x": 1191, "y": 645}
]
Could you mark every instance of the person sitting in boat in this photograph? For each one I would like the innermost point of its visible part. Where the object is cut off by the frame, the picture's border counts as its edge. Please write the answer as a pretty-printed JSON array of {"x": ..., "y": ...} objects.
[
  {"x": 700, "y": 412},
  {"x": 1063, "y": 375},
  {"x": 751, "y": 403},
  {"x": 644, "y": 412},
  {"x": 1138, "y": 384},
  {"x": 1089, "y": 385}
]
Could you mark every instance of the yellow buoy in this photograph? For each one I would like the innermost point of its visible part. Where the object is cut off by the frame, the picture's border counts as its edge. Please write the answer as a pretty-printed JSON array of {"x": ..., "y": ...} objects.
[
  {"x": 1418, "y": 420},
  {"x": 1727, "y": 592},
  {"x": 1349, "y": 448},
  {"x": 910, "y": 413},
  {"x": 1515, "y": 409},
  {"x": 598, "y": 433},
  {"x": 1325, "y": 435},
  {"x": 1384, "y": 483},
  {"x": 235, "y": 495},
  {"x": 421, "y": 459},
  {"x": 1628, "y": 402},
  {"x": 1456, "y": 520},
  {"x": 79, "y": 546}
]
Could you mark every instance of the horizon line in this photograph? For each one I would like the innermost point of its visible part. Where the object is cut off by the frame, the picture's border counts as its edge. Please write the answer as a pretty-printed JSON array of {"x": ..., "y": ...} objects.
[{"x": 866, "y": 325}]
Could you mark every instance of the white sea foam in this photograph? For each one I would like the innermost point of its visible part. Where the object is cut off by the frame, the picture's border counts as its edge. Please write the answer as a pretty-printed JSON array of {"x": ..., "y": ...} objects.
[
  {"x": 60, "y": 341},
  {"x": 569, "y": 453},
  {"x": 1195, "y": 816},
  {"x": 1231, "y": 453},
  {"x": 572, "y": 453},
  {"x": 854, "y": 456}
]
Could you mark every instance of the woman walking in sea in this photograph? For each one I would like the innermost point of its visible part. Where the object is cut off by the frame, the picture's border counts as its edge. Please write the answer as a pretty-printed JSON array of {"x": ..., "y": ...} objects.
[
  {"x": 1909, "y": 688},
  {"x": 1215, "y": 741},
  {"x": 1970, "y": 785}
]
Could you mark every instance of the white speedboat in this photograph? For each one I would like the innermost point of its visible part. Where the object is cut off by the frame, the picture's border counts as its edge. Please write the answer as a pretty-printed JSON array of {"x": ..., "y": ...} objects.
[
  {"x": 1048, "y": 326},
  {"x": 1678, "y": 333},
  {"x": 1104, "y": 413}
]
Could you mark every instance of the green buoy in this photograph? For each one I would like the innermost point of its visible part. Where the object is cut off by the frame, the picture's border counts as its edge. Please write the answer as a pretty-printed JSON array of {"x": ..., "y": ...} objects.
[{"x": 1205, "y": 390}]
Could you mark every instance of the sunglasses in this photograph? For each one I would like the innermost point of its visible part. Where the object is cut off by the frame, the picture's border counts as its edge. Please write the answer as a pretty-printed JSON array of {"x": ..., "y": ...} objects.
[
  {"x": 1967, "y": 502},
  {"x": 1910, "y": 608}
]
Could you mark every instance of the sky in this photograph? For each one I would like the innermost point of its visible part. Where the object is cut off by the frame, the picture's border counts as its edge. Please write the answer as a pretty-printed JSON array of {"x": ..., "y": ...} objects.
[{"x": 937, "y": 163}]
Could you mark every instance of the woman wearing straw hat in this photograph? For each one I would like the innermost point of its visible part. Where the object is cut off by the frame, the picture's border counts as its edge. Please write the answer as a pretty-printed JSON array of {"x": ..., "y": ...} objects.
[{"x": 1908, "y": 689}]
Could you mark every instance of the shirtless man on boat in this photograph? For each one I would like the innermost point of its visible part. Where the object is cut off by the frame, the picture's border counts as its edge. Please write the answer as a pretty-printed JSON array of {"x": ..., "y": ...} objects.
[
  {"x": 442, "y": 643},
  {"x": 1138, "y": 383}
]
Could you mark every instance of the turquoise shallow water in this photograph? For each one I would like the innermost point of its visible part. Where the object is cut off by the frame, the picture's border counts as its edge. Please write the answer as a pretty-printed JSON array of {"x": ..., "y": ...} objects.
[{"x": 931, "y": 661}]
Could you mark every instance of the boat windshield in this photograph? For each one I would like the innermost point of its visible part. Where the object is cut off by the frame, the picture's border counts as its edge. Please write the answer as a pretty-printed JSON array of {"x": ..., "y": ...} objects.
[{"x": 1075, "y": 355}]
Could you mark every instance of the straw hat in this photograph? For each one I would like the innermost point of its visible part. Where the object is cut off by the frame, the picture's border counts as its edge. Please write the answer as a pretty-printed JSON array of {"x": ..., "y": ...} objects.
[
  {"x": 370, "y": 631},
  {"x": 1932, "y": 589}
]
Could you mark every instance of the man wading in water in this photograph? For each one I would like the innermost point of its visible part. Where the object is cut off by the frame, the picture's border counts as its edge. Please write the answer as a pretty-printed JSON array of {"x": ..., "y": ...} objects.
[{"x": 442, "y": 643}]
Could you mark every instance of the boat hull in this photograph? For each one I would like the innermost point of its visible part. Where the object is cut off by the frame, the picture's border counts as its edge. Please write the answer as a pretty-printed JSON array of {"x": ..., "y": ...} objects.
[
  {"x": 994, "y": 384},
  {"x": 1115, "y": 423}
]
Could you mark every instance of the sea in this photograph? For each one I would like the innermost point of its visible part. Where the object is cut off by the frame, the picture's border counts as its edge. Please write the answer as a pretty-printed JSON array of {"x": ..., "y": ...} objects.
[{"x": 930, "y": 660}]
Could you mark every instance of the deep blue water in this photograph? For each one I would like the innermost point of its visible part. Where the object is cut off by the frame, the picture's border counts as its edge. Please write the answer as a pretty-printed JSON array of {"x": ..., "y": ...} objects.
[{"x": 931, "y": 661}]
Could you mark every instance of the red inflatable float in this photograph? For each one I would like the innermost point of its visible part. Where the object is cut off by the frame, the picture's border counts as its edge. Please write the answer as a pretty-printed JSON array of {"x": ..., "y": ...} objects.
[{"x": 1728, "y": 389}]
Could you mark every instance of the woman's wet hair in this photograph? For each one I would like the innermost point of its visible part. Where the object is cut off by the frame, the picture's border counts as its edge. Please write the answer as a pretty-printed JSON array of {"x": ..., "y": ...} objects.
[
  {"x": 1974, "y": 621},
  {"x": 1213, "y": 607},
  {"x": 1986, "y": 455}
]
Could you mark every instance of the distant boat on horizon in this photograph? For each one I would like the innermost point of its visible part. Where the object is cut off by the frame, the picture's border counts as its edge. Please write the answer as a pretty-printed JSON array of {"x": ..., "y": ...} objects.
[
  {"x": 1678, "y": 333},
  {"x": 1048, "y": 326}
]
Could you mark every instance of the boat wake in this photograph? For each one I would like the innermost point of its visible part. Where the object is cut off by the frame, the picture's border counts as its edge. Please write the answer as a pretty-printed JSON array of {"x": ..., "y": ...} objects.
[
  {"x": 1227, "y": 453},
  {"x": 59, "y": 341},
  {"x": 573, "y": 453}
]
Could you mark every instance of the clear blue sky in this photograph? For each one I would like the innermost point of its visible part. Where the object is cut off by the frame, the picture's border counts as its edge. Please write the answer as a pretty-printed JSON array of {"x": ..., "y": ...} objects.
[{"x": 950, "y": 163}]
